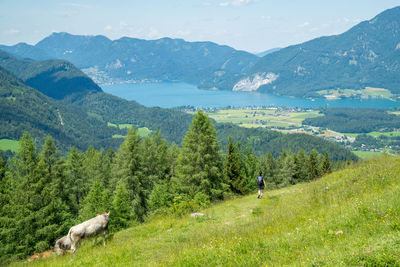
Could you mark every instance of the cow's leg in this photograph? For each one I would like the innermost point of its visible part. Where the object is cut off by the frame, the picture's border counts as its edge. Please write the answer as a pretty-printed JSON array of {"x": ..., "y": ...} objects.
[
  {"x": 95, "y": 240},
  {"x": 72, "y": 246},
  {"x": 104, "y": 238}
]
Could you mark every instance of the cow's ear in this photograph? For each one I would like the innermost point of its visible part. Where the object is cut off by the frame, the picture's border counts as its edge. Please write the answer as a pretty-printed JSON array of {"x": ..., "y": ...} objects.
[{"x": 108, "y": 214}]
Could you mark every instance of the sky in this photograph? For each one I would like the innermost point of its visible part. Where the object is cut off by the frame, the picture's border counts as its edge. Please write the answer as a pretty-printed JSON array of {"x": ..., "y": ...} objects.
[{"x": 250, "y": 25}]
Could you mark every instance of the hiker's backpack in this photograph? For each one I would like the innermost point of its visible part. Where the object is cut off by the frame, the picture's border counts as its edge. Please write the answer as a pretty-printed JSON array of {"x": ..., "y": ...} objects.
[{"x": 260, "y": 180}]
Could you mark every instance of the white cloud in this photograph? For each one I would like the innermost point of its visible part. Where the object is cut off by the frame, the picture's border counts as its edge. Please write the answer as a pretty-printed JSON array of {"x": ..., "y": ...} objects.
[
  {"x": 108, "y": 28},
  {"x": 11, "y": 31},
  {"x": 71, "y": 4},
  {"x": 305, "y": 24},
  {"x": 183, "y": 33},
  {"x": 153, "y": 33},
  {"x": 206, "y": 4},
  {"x": 242, "y": 2},
  {"x": 237, "y": 3}
]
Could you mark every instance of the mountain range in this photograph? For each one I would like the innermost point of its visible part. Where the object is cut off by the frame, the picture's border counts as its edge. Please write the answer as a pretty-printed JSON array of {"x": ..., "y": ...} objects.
[
  {"x": 131, "y": 59},
  {"x": 367, "y": 55}
]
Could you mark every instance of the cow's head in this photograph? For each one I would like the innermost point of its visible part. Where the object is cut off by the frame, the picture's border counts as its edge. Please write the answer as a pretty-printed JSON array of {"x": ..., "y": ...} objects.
[{"x": 106, "y": 213}]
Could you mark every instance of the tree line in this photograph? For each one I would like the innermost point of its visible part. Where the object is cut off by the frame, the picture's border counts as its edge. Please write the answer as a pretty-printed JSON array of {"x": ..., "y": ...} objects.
[{"x": 43, "y": 194}]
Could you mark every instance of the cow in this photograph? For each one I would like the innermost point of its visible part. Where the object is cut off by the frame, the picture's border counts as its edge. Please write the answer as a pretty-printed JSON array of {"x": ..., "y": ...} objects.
[
  {"x": 63, "y": 244},
  {"x": 92, "y": 227}
]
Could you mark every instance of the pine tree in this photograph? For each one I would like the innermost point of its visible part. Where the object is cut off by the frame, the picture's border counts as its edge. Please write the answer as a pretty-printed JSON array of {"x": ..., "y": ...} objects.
[
  {"x": 312, "y": 165},
  {"x": 22, "y": 204},
  {"x": 199, "y": 168},
  {"x": 287, "y": 171},
  {"x": 128, "y": 167},
  {"x": 300, "y": 162},
  {"x": 52, "y": 216},
  {"x": 121, "y": 211},
  {"x": 75, "y": 179},
  {"x": 96, "y": 201},
  {"x": 268, "y": 166},
  {"x": 326, "y": 165},
  {"x": 233, "y": 169},
  {"x": 250, "y": 167}
]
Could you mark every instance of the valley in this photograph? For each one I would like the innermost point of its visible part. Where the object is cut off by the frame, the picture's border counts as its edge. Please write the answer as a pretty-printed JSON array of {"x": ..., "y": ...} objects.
[{"x": 290, "y": 120}]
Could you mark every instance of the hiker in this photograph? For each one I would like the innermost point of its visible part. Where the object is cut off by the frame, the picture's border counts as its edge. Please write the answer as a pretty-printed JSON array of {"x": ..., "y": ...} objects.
[{"x": 260, "y": 185}]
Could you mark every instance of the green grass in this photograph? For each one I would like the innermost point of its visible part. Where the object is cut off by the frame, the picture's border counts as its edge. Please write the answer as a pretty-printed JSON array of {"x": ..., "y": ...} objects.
[
  {"x": 389, "y": 134},
  {"x": 375, "y": 134},
  {"x": 142, "y": 131},
  {"x": 348, "y": 218},
  {"x": 251, "y": 118},
  {"x": 366, "y": 154},
  {"x": 368, "y": 92},
  {"x": 7, "y": 144}
]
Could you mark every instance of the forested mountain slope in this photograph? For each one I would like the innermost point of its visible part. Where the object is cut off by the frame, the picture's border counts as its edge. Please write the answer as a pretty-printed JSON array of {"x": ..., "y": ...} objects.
[
  {"x": 54, "y": 78},
  {"x": 25, "y": 109}
]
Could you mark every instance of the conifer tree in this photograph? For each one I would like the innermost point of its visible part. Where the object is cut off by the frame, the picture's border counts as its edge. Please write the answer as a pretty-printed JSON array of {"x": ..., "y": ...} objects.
[
  {"x": 51, "y": 212},
  {"x": 326, "y": 165},
  {"x": 75, "y": 179},
  {"x": 300, "y": 162},
  {"x": 199, "y": 168},
  {"x": 312, "y": 165},
  {"x": 22, "y": 207},
  {"x": 250, "y": 167},
  {"x": 287, "y": 171},
  {"x": 233, "y": 169},
  {"x": 121, "y": 211},
  {"x": 96, "y": 201},
  {"x": 268, "y": 166},
  {"x": 128, "y": 167}
]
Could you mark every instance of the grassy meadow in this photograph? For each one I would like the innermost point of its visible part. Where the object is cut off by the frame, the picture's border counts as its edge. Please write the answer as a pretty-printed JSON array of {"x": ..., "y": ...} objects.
[
  {"x": 272, "y": 117},
  {"x": 142, "y": 131},
  {"x": 8, "y": 144},
  {"x": 348, "y": 218},
  {"x": 367, "y": 92}
]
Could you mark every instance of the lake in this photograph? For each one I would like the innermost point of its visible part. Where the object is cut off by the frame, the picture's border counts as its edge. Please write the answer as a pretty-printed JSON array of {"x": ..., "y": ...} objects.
[{"x": 168, "y": 95}]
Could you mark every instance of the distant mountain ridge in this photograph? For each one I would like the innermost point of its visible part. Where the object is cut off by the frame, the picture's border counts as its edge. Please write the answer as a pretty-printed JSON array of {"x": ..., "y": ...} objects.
[
  {"x": 131, "y": 59},
  {"x": 366, "y": 55},
  {"x": 269, "y": 51}
]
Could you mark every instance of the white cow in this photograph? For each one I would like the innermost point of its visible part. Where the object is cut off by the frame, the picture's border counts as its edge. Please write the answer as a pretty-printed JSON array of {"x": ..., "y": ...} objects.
[{"x": 89, "y": 228}]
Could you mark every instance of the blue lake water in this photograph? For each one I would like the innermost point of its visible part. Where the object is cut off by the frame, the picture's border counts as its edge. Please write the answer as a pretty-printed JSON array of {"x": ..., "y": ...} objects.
[{"x": 168, "y": 95}]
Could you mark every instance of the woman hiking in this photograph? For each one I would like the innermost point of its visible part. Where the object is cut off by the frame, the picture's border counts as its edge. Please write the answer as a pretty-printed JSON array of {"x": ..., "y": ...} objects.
[{"x": 260, "y": 185}]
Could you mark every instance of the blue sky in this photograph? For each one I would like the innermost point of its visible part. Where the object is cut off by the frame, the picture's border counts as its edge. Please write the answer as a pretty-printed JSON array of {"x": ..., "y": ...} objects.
[{"x": 252, "y": 25}]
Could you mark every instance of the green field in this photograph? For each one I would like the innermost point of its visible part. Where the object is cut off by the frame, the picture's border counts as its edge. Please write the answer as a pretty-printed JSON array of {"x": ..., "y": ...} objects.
[
  {"x": 348, "y": 218},
  {"x": 366, "y": 154},
  {"x": 375, "y": 134},
  {"x": 142, "y": 131},
  {"x": 7, "y": 144},
  {"x": 368, "y": 92},
  {"x": 263, "y": 117}
]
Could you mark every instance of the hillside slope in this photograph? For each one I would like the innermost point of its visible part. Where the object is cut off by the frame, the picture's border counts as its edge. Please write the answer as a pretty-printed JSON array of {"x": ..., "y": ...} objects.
[
  {"x": 55, "y": 78},
  {"x": 23, "y": 108},
  {"x": 365, "y": 55},
  {"x": 348, "y": 218}
]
